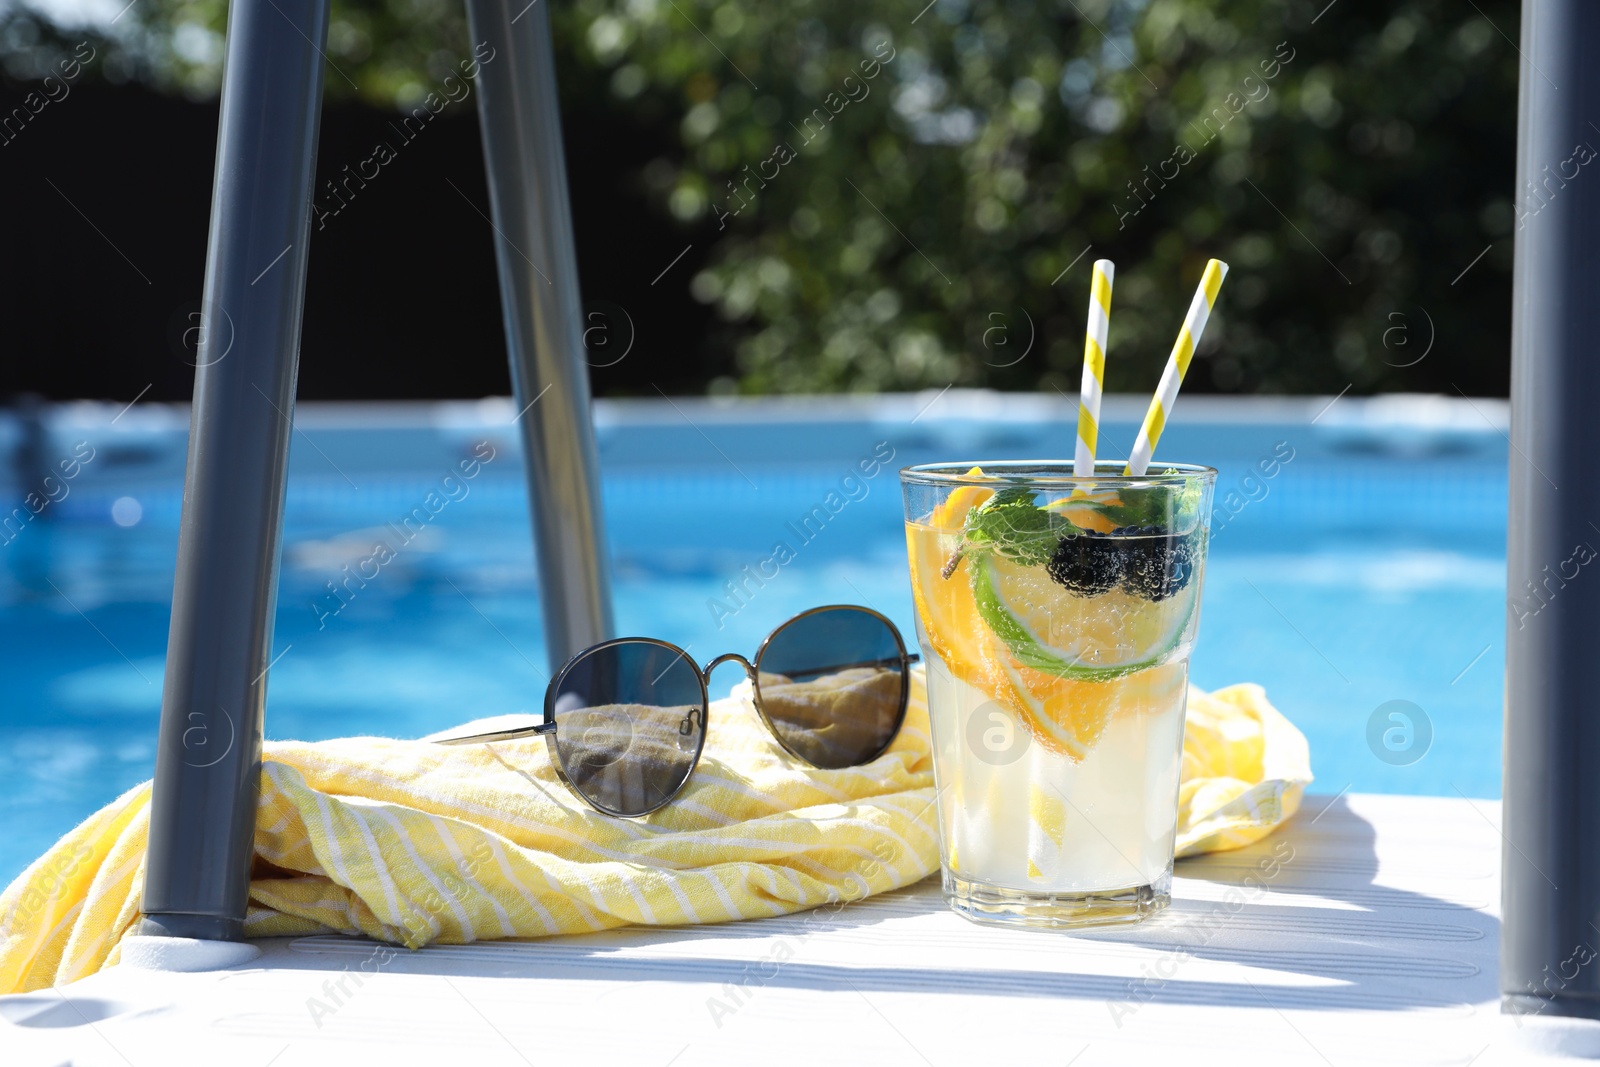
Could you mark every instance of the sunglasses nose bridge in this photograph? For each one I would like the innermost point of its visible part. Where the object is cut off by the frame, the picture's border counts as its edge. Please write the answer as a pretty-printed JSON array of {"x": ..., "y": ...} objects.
[{"x": 730, "y": 657}]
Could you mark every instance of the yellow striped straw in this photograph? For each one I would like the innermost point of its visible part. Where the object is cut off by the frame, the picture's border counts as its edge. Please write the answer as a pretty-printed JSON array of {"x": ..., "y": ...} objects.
[
  {"x": 1194, "y": 324},
  {"x": 1094, "y": 367}
]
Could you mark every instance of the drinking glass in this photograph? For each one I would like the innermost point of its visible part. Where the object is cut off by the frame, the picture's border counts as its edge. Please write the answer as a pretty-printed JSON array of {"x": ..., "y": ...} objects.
[{"x": 1056, "y": 616}]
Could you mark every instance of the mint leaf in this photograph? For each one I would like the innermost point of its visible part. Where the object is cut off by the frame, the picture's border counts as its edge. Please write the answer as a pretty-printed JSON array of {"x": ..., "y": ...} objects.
[
  {"x": 1165, "y": 506},
  {"x": 1010, "y": 523}
]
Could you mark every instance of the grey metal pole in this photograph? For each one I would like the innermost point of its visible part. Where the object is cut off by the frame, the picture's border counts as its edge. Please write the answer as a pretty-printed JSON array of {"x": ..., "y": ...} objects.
[
  {"x": 208, "y": 759},
  {"x": 538, "y": 262},
  {"x": 1551, "y": 857}
]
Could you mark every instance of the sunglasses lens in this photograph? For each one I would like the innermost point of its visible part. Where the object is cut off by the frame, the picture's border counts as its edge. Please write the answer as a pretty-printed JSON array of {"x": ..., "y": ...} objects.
[
  {"x": 630, "y": 720},
  {"x": 833, "y": 685}
]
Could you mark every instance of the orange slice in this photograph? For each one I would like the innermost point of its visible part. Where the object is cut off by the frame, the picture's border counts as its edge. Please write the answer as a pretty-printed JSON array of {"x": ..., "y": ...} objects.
[
  {"x": 1084, "y": 509},
  {"x": 1068, "y": 716},
  {"x": 951, "y": 515},
  {"x": 949, "y": 615},
  {"x": 945, "y": 606}
]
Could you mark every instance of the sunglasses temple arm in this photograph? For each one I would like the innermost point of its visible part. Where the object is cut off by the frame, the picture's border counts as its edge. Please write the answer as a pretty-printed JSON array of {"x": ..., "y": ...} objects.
[{"x": 499, "y": 735}]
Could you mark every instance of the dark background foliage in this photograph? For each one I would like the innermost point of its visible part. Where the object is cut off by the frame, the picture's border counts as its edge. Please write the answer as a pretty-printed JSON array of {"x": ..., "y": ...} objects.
[{"x": 938, "y": 180}]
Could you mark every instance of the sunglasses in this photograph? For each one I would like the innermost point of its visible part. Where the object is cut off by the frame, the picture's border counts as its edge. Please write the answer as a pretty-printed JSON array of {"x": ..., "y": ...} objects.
[{"x": 625, "y": 720}]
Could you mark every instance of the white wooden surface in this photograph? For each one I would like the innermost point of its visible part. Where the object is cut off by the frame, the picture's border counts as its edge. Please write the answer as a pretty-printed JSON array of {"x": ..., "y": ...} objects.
[{"x": 1369, "y": 937}]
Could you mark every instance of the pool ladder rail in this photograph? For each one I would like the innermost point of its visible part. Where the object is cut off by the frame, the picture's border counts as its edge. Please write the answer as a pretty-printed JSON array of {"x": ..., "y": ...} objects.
[{"x": 202, "y": 814}]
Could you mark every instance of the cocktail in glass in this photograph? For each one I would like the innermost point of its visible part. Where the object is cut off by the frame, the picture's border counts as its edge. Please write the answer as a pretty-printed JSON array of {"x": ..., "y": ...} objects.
[{"x": 1056, "y": 616}]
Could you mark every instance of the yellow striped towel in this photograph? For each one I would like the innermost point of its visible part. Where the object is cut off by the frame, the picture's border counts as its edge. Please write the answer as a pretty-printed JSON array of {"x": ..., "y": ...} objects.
[
  {"x": 1245, "y": 769},
  {"x": 413, "y": 843}
]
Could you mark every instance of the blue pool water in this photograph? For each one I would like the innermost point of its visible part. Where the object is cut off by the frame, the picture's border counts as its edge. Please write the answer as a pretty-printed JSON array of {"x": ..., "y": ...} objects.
[{"x": 1368, "y": 568}]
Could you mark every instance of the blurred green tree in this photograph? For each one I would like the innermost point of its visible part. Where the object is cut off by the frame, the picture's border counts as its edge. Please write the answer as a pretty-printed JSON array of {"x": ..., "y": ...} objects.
[{"x": 908, "y": 196}]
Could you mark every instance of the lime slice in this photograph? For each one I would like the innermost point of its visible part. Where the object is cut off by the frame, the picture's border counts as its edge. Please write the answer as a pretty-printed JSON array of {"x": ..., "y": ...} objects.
[{"x": 1049, "y": 629}]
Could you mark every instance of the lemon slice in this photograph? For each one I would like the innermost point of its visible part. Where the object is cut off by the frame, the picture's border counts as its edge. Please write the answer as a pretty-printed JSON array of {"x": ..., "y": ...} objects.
[{"x": 1048, "y": 629}]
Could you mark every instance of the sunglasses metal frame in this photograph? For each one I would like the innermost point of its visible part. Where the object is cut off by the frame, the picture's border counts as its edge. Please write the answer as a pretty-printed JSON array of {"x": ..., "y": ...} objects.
[{"x": 752, "y": 669}]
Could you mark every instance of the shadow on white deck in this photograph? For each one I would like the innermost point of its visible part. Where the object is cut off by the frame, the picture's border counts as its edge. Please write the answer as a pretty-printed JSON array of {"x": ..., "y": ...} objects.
[{"x": 1365, "y": 932}]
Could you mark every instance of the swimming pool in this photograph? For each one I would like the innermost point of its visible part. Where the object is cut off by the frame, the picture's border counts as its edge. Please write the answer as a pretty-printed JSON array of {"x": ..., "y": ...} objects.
[{"x": 1358, "y": 558}]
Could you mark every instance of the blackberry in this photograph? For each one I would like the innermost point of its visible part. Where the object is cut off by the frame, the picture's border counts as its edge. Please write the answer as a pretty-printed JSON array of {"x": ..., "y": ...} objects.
[
  {"x": 1180, "y": 567},
  {"x": 1087, "y": 563},
  {"x": 1156, "y": 565}
]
